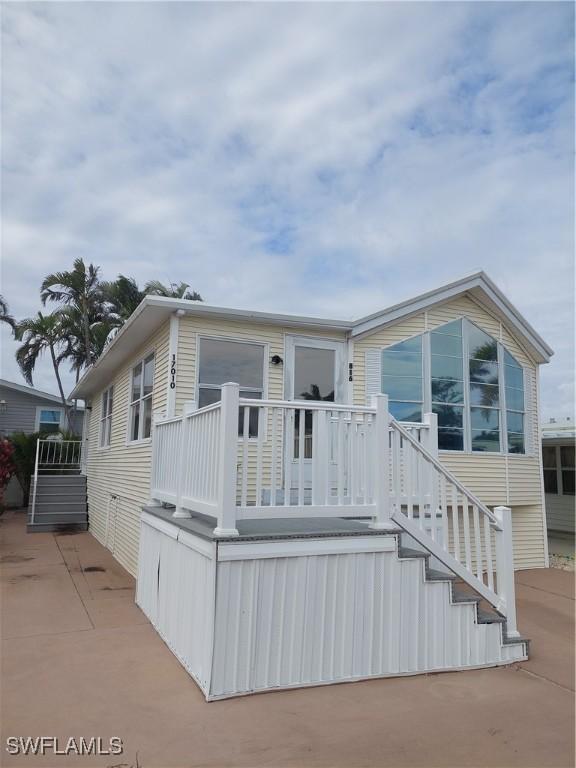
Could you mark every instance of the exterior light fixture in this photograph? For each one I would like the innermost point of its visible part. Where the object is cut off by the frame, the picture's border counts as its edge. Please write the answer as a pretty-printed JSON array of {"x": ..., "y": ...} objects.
[{"x": 276, "y": 360}]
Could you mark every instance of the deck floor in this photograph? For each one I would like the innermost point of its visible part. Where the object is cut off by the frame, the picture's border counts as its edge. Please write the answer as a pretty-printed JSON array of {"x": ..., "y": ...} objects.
[{"x": 80, "y": 659}]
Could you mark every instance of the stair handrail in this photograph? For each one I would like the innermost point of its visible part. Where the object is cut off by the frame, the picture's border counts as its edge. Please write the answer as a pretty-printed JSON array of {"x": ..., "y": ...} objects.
[{"x": 474, "y": 500}]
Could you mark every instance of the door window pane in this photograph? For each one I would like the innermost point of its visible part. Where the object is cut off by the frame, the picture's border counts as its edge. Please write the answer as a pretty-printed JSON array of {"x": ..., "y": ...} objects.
[
  {"x": 485, "y": 440},
  {"x": 314, "y": 373},
  {"x": 406, "y": 411}
]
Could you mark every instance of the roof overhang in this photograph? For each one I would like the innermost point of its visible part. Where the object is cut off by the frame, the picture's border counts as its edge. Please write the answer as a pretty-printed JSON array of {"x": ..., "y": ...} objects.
[
  {"x": 480, "y": 287},
  {"x": 153, "y": 311},
  {"x": 33, "y": 392}
]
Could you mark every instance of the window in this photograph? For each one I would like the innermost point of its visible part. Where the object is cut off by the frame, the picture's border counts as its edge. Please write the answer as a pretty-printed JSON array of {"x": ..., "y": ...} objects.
[
  {"x": 464, "y": 376},
  {"x": 484, "y": 390},
  {"x": 49, "y": 420},
  {"x": 402, "y": 379},
  {"x": 447, "y": 384},
  {"x": 106, "y": 417},
  {"x": 221, "y": 361},
  {"x": 141, "y": 399},
  {"x": 558, "y": 463},
  {"x": 514, "y": 393},
  {"x": 567, "y": 469}
]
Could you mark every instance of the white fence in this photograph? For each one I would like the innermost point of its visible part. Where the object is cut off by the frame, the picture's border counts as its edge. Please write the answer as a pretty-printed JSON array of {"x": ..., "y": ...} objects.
[{"x": 246, "y": 459}]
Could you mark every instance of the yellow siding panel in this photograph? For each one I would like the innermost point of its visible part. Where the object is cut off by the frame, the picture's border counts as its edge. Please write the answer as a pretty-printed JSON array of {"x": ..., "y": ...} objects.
[
  {"x": 119, "y": 476},
  {"x": 273, "y": 336}
]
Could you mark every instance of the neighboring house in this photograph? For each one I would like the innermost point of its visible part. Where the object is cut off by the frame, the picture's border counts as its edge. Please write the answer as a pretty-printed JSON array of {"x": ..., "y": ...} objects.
[
  {"x": 25, "y": 409},
  {"x": 558, "y": 439},
  {"x": 307, "y": 434}
]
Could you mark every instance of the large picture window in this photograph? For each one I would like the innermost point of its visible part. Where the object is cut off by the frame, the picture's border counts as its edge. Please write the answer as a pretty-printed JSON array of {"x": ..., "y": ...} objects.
[
  {"x": 141, "y": 399},
  {"x": 468, "y": 379},
  {"x": 221, "y": 361}
]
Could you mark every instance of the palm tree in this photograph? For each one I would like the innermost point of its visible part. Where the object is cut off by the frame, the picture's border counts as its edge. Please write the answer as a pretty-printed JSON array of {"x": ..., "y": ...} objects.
[
  {"x": 174, "y": 290},
  {"x": 123, "y": 296},
  {"x": 40, "y": 334},
  {"x": 80, "y": 290},
  {"x": 5, "y": 316}
]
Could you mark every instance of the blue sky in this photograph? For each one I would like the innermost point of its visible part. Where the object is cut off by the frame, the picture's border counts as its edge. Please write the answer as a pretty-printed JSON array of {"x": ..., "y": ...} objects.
[{"x": 323, "y": 158}]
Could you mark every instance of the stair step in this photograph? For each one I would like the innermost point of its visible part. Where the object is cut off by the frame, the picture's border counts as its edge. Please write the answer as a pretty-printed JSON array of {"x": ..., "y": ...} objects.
[
  {"x": 464, "y": 597},
  {"x": 434, "y": 575},
  {"x": 59, "y": 517},
  {"x": 405, "y": 552},
  {"x": 55, "y": 527},
  {"x": 489, "y": 617}
]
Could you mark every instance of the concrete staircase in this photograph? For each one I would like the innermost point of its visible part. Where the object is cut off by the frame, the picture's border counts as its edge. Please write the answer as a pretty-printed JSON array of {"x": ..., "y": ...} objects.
[{"x": 60, "y": 503}]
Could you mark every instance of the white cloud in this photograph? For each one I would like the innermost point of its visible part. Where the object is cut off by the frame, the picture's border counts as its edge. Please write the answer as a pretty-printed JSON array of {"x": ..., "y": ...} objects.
[{"x": 322, "y": 158}]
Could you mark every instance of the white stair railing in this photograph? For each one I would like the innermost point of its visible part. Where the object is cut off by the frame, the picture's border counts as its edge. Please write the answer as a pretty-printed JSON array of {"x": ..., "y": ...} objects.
[
  {"x": 56, "y": 457},
  {"x": 448, "y": 520}
]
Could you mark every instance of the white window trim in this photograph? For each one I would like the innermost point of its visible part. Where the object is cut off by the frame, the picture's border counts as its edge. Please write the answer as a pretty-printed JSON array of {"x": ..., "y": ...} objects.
[
  {"x": 40, "y": 408},
  {"x": 234, "y": 339},
  {"x": 143, "y": 440},
  {"x": 105, "y": 447}
]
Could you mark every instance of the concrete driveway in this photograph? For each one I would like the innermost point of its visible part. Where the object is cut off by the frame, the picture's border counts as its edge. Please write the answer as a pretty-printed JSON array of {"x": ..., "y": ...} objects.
[{"x": 80, "y": 659}]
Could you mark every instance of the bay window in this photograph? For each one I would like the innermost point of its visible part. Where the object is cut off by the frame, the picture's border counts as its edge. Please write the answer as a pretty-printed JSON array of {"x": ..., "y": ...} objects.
[{"x": 464, "y": 376}]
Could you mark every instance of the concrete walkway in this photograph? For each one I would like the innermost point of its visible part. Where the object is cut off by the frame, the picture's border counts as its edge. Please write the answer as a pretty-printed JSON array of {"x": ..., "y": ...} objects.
[{"x": 80, "y": 659}]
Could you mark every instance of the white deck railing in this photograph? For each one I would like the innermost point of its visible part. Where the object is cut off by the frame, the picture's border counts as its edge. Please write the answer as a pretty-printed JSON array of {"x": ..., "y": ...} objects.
[{"x": 249, "y": 459}]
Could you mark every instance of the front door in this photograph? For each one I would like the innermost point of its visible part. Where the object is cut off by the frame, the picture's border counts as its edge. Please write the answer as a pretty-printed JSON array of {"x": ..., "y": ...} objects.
[{"x": 314, "y": 370}]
